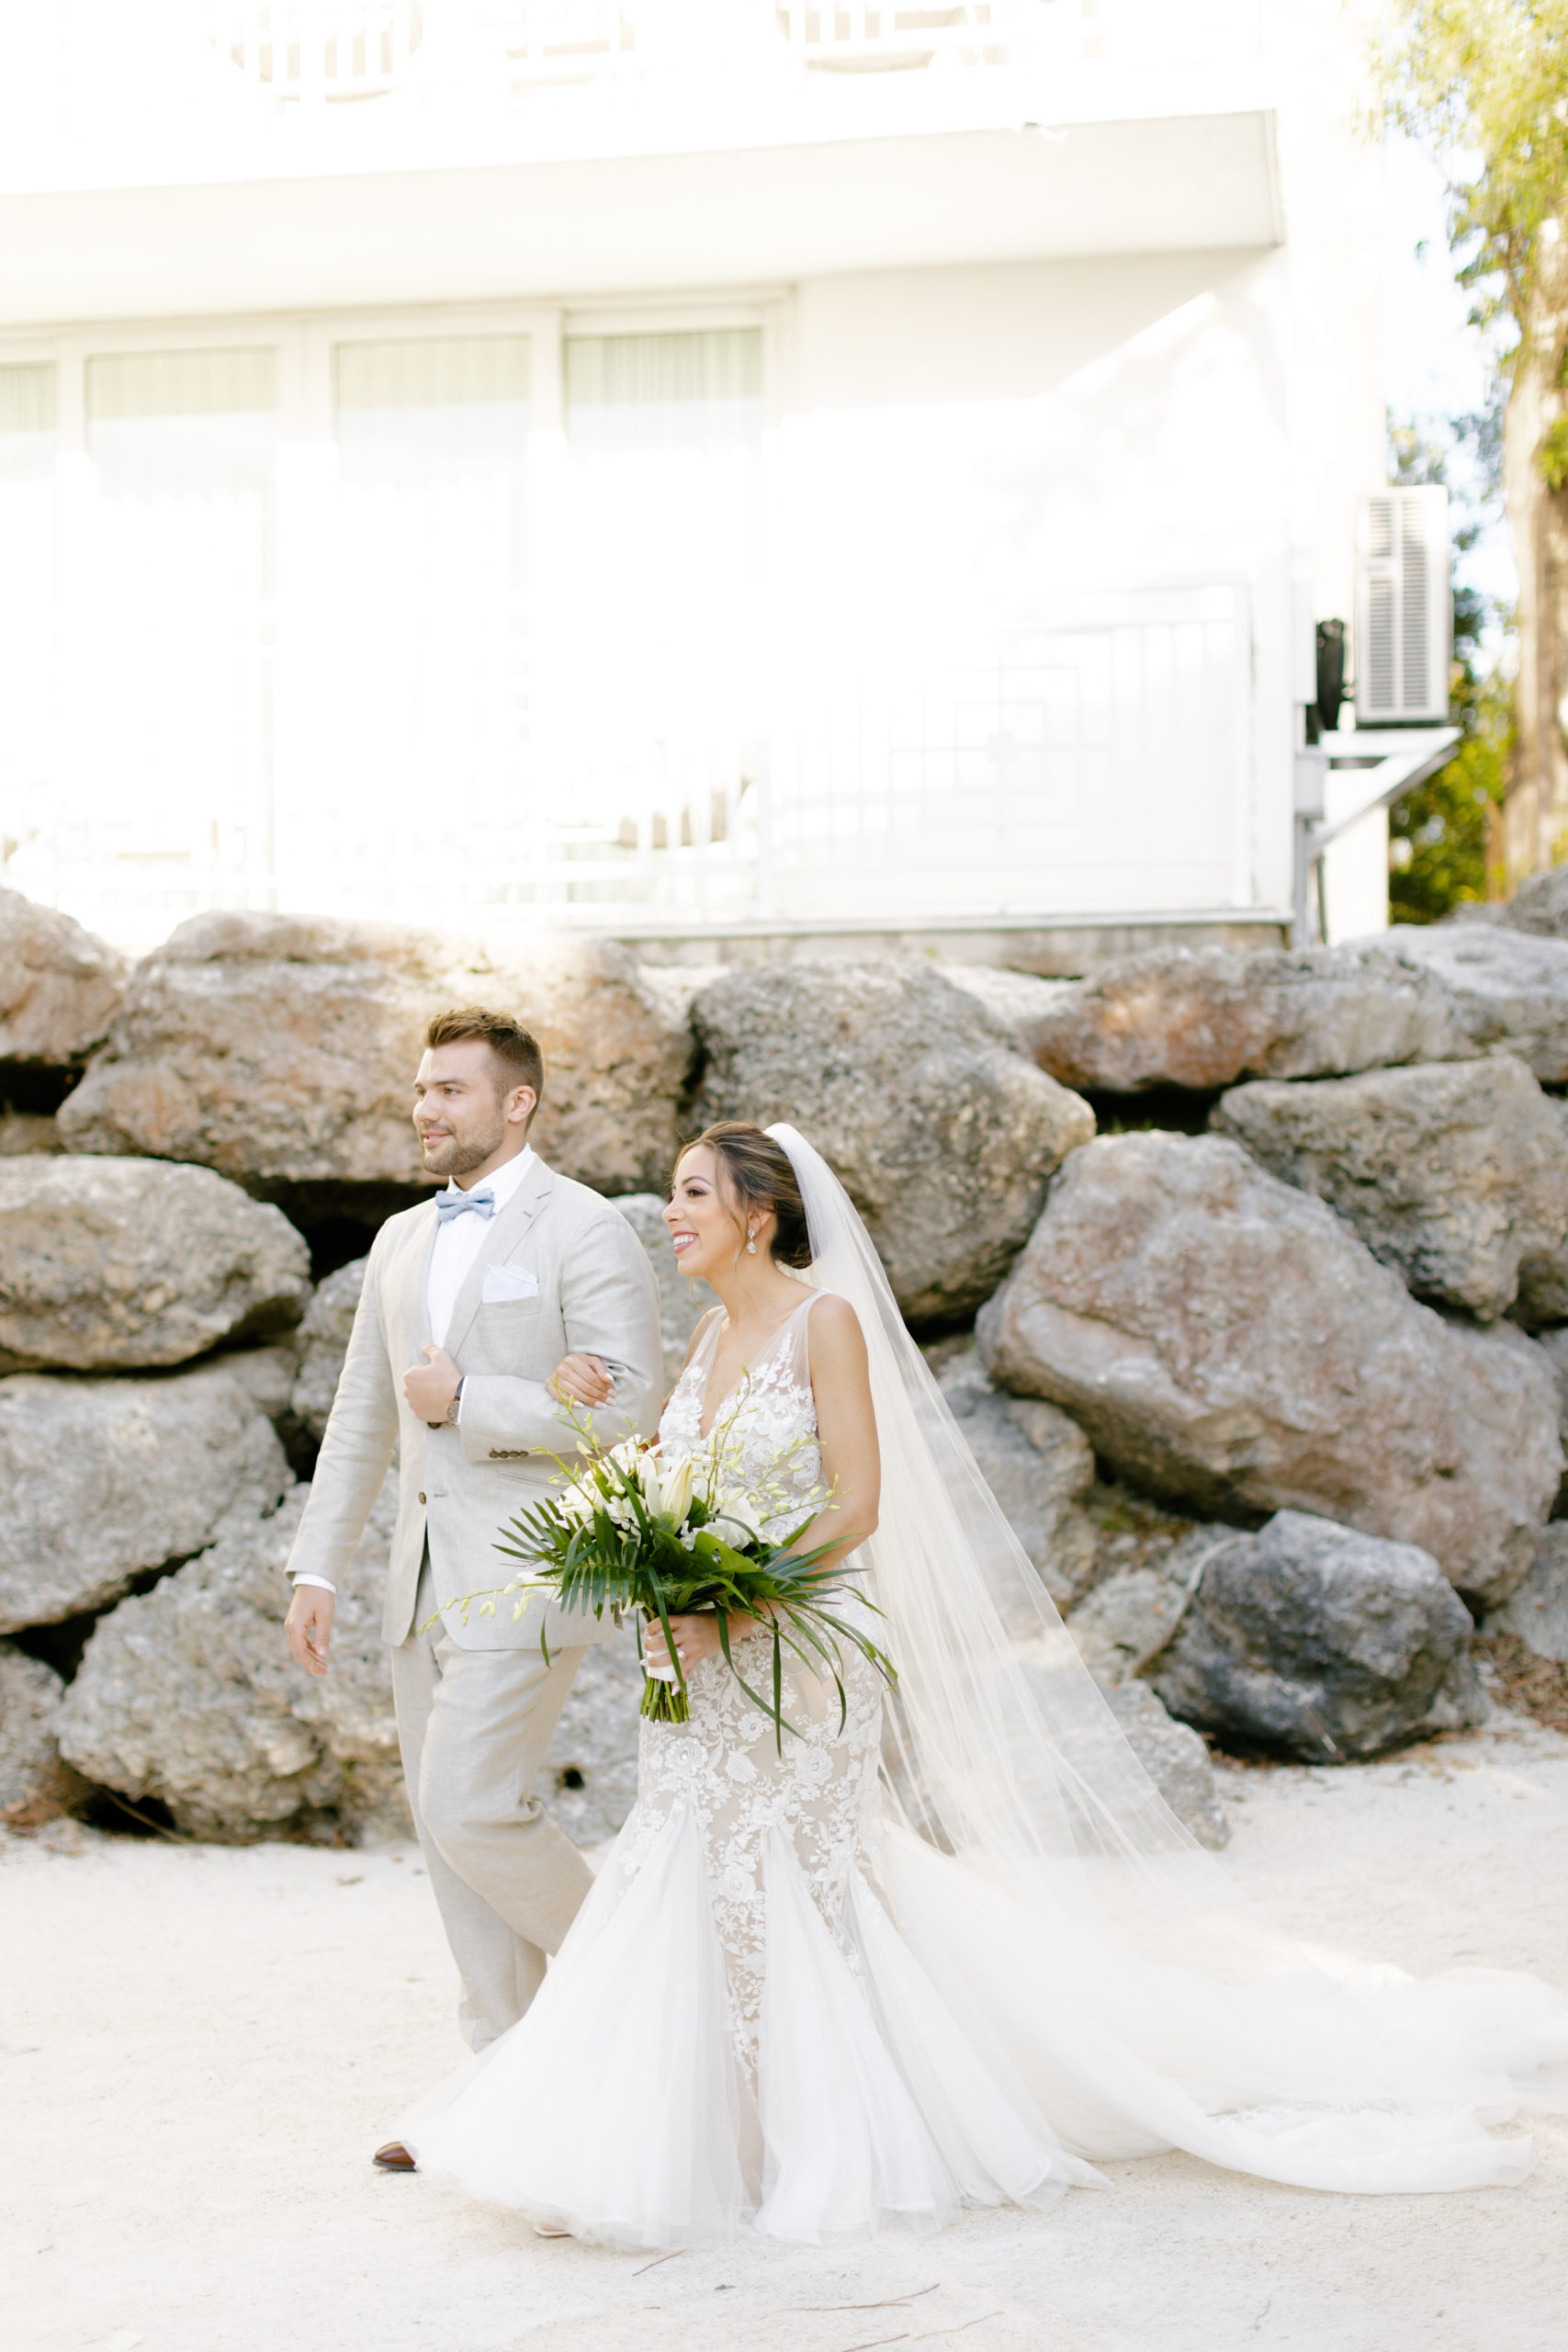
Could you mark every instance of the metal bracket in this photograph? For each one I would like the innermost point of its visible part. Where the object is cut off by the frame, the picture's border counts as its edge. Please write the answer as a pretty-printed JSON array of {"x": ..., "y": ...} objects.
[{"x": 1392, "y": 760}]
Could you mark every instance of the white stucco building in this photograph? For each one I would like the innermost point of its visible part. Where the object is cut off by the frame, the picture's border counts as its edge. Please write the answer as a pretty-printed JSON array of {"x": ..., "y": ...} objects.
[{"x": 709, "y": 469}]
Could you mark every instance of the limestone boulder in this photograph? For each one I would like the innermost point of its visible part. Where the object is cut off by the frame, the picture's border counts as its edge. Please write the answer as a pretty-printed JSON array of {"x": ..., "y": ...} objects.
[
  {"x": 1539, "y": 905},
  {"x": 1227, "y": 1342},
  {"x": 1020, "y": 1000},
  {"x": 1542, "y": 1296},
  {"x": 682, "y": 1303},
  {"x": 1554, "y": 1348},
  {"x": 125, "y": 1264},
  {"x": 1204, "y": 1017},
  {"x": 944, "y": 1135},
  {"x": 29, "y": 1135},
  {"x": 618, "y": 1055},
  {"x": 1537, "y": 1610},
  {"x": 35, "y": 1783},
  {"x": 1131, "y": 1614},
  {"x": 1455, "y": 1174},
  {"x": 1132, "y": 1530},
  {"x": 1507, "y": 991},
  {"x": 1174, "y": 1757},
  {"x": 323, "y": 1343},
  {"x": 105, "y": 1478},
  {"x": 1318, "y": 1642},
  {"x": 267, "y": 1376},
  {"x": 282, "y": 1050},
  {"x": 1125, "y": 1623},
  {"x": 1036, "y": 1462},
  {"x": 188, "y": 1693},
  {"x": 60, "y": 988}
]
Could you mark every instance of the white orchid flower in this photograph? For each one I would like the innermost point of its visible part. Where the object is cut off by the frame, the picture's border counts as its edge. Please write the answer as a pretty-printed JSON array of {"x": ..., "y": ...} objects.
[{"x": 737, "y": 1509}]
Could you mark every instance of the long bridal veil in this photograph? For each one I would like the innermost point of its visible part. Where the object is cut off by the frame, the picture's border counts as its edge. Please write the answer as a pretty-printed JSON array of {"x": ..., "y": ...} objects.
[{"x": 1104, "y": 1963}]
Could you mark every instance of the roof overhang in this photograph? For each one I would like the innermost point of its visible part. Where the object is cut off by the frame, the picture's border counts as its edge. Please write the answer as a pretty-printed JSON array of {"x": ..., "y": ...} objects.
[{"x": 626, "y": 223}]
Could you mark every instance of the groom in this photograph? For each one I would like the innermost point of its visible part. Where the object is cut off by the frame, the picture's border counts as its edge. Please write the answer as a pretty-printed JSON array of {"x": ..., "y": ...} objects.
[{"x": 485, "y": 1311}]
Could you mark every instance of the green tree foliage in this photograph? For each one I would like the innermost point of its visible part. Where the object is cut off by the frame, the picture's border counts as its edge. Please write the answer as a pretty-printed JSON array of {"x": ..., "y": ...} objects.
[
  {"x": 1485, "y": 84},
  {"x": 1439, "y": 835}
]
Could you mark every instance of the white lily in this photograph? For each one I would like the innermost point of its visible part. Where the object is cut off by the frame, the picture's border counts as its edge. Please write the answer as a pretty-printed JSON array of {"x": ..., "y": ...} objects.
[
  {"x": 577, "y": 1502},
  {"x": 678, "y": 1483}
]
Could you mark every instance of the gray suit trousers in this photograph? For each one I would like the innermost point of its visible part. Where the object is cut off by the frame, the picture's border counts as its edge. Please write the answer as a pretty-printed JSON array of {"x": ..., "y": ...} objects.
[{"x": 473, "y": 1727}]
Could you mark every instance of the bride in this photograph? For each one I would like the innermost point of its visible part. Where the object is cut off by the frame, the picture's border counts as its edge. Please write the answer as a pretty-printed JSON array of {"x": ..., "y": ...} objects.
[{"x": 950, "y": 1946}]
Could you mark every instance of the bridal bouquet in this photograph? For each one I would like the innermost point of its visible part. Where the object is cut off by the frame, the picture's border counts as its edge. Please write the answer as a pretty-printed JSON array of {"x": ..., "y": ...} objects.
[{"x": 633, "y": 1532}]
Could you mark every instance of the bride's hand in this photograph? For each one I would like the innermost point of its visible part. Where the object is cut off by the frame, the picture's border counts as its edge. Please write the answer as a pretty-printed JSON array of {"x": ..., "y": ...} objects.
[{"x": 696, "y": 1638}]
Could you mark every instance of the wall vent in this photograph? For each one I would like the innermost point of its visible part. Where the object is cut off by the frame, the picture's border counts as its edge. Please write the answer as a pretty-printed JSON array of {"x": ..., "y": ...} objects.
[{"x": 1403, "y": 608}]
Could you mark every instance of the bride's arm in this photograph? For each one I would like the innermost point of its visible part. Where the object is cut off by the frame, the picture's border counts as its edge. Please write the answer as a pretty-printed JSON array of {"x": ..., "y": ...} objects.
[
  {"x": 846, "y": 1431},
  {"x": 851, "y": 1466}
]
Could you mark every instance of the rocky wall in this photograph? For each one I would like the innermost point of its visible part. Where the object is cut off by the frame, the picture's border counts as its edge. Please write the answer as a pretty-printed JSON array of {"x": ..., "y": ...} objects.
[{"x": 1270, "y": 1380}]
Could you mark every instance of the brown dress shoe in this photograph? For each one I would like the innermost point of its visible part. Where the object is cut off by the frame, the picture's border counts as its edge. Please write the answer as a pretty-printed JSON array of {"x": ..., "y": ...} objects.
[{"x": 394, "y": 2157}]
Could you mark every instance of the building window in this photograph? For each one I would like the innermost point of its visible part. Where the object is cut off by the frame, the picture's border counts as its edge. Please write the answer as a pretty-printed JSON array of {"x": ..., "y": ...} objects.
[
  {"x": 27, "y": 610},
  {"x": 662, "y": 642},
  {"x": 420, "y": 651},
  {"x": 174, "y": 622}
]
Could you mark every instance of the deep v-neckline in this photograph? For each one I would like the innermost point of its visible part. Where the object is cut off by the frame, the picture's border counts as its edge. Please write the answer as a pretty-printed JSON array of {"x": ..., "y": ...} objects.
[{"x": 706, "y": 1420}]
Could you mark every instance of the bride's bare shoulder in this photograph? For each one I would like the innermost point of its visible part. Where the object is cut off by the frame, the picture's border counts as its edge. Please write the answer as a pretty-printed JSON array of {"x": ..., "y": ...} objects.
[
  {"x": 835, "y": 1326},
  {"x": 704, "y": 1323}
]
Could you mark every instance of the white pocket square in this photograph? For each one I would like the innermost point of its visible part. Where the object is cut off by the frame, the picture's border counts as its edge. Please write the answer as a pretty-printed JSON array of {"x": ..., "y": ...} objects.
[{"x": 504, "y": 1282}]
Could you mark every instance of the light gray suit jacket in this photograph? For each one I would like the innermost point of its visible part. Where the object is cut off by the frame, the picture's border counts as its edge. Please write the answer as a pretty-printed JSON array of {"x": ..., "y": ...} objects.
[{"x": 457, "y": 1484}]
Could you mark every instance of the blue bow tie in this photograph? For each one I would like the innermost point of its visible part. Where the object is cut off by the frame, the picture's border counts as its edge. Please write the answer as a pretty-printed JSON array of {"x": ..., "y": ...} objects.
[{"x": 453, "y": 1204}]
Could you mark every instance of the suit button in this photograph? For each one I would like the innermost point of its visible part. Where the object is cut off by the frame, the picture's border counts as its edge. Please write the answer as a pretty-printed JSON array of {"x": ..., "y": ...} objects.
[{"x": 422, "y": 1498}]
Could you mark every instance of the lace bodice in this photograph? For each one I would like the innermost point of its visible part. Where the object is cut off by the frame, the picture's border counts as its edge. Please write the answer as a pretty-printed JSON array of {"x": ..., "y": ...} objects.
[
  {"x": 770, "y": 1411},
  {"x": 726, "y": 1766}
]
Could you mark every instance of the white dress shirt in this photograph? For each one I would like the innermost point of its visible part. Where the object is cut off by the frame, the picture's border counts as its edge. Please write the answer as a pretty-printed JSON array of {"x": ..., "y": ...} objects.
[
  {"x": 460, "y": 1239},
  {"x": 457, "y": 1244}
]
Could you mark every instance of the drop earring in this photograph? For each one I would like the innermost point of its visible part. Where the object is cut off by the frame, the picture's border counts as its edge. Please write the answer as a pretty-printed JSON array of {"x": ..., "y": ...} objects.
[{"x": 750, "y": 1245}]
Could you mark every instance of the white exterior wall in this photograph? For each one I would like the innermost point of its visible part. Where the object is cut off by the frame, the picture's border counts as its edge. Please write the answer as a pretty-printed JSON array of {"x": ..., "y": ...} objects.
[
  {"x": 1077, "y": 466},
  {"x": 1043, "y": 532}
]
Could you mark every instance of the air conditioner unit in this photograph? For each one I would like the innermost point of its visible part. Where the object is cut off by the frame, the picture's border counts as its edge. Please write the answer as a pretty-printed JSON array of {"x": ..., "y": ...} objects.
[{"x": 1405, "y": 607}]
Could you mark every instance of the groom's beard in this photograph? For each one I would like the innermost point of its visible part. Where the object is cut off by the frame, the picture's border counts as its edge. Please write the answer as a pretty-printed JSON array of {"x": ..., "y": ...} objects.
[{"x": 458, "y": 1156}]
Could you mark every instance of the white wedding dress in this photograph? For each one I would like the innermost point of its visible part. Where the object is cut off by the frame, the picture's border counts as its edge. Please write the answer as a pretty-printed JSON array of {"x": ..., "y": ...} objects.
[{"x": 782, "y": 2009}]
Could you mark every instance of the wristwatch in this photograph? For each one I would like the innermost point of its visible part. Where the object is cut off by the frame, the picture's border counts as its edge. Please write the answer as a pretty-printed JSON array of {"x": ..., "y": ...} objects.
[{"x": 456, "y": 1406}]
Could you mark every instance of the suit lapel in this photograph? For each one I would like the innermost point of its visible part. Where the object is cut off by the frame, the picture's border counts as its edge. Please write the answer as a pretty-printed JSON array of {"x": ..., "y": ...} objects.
[
  {"x": 408, "y": 1278},
  {"x": 506, "y": 1230}
]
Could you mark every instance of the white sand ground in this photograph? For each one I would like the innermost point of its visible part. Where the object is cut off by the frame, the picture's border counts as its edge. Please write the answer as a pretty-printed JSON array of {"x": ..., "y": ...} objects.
[{"x": 201, "y": 2047}]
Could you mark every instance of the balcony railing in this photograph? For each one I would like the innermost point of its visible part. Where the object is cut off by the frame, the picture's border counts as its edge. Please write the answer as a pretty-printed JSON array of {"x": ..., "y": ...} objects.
[
  {"x": 548, "y": 43},
  {"x": 330, "y": 50},
  {"x": 883, "y": 36},
  {"x": 322, "y": 50}
]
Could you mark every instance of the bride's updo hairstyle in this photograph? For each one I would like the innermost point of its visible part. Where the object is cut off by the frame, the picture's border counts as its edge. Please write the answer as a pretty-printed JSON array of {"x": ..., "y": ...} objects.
[{"x": 755, "y": 1173}]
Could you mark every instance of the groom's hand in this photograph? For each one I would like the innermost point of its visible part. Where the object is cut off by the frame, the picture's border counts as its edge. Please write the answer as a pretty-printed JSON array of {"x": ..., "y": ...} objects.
[
  {"x": 430, "y": 1387},
  {"x": 582, "y": 1380},
  {"x": 308, "y": 1626}
]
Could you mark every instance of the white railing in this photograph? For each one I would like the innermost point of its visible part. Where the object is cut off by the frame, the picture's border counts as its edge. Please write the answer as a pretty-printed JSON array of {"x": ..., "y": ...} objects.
[
  {"x": 330, "y": 50},
  {"x": 321, "y": 51},
  {"x": 860, "y": 35},
  {"x": 857, "y": 36},
  {"x": 553, "y": 41},
  {"x": 1098, "y": 762}
]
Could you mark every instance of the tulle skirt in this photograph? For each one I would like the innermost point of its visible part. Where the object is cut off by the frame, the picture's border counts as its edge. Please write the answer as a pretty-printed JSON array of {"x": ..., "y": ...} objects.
[{"x": 780, "y": 2011}]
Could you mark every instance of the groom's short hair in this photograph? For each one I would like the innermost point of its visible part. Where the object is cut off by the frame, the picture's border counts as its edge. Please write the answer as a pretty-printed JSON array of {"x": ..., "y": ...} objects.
[{"x": 517, "y": 1047}]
